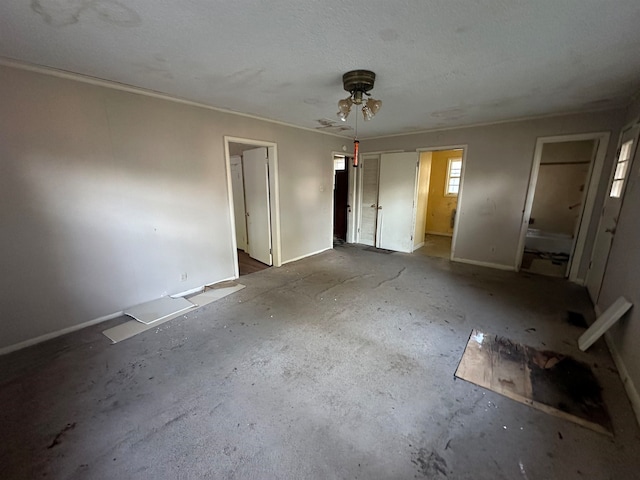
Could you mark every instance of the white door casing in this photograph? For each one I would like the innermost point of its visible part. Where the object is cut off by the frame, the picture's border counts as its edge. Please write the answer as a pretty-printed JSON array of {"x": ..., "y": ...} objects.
[
  {"x": 396, "y": 201},
  {"x": 256, "y": 184},
  {"x": 609, "y": 216},
  {"x": 369, "y": 199},
  {"x": 601, "y": 141}
]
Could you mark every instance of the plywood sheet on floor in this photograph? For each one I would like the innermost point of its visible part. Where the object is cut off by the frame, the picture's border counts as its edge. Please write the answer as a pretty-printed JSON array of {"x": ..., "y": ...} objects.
[
  {"x": 551, "y": 382},
  {"x": 131, "y": 328}
]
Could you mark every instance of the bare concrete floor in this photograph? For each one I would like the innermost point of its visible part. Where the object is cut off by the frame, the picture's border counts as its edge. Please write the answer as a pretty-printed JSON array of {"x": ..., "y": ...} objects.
[
  {"x": 436, "y": 246},
  {"x": 336, "y": 366}
]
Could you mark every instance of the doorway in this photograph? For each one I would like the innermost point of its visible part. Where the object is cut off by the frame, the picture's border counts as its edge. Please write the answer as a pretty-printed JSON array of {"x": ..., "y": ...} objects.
[
  {"x": 253, "y": 197},
  {"x": 440, "y": 184},
  {"x": 562, "y": 188},
  {"x": 341, "y": 207}
]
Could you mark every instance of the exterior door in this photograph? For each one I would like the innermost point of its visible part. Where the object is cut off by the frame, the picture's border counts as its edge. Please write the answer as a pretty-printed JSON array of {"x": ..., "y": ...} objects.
[
  {"x": 340, "y": 200},
  {"x": 611, "y": 211},
  {"x": 369, "y": 205},
  {"x": 396, "y": 201},
  {"x": 256, "y": 192}
]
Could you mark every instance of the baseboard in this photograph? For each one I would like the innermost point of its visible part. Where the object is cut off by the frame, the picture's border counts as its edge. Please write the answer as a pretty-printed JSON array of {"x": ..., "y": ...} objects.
[
  {"x": 497, "y": 266},
  {"x": 306, "y": 255},
  {"x": 416, "y": 247},
  {"x": 428, "y": 232},
  {"x": 111, "y": 316},
  {"x": 58, "y": 333},
  {"x": 629, "y": 386}
]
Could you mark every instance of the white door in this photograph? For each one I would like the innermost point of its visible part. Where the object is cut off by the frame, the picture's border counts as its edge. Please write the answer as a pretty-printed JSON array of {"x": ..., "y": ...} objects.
[
  {"x": 369, "y": 203},
  {"x": 611, "y": 211},
  {"x": 256, "y": 192},
  {"x": 396, "y": 201},
  {"x": 237, "y": 186}
]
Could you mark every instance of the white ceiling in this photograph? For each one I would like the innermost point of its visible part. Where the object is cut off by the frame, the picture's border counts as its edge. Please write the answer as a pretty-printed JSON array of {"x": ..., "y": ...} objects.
[{"x": 439, "y": 63}]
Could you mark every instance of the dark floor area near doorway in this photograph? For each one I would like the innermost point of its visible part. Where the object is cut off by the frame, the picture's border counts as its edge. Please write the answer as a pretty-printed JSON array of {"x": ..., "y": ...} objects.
[
  {"x": 340, "y": 365},
  {"x": 248, "y": 265}
]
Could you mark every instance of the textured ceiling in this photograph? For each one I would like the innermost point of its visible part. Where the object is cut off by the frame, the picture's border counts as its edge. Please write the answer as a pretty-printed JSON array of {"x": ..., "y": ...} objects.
[{"x": 440, "y": 63}]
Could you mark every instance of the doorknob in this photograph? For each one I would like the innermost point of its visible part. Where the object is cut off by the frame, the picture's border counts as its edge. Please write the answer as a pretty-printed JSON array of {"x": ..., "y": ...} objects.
[
  {"x": 373, "y": 205},
  {"x": 612, "y": 231},
  {"x": 380, "y": 208}
]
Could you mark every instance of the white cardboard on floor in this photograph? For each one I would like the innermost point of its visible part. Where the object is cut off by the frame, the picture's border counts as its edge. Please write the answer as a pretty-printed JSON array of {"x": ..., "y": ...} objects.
[
  {"x": 133, "y": 327},
  {"x": 604, "y": 322},
  {"x": 155, "y": 310}
]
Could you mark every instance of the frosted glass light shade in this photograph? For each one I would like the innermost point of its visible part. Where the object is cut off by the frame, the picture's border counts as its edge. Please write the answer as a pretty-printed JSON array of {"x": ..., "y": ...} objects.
[{"x": 344, "y": 107}]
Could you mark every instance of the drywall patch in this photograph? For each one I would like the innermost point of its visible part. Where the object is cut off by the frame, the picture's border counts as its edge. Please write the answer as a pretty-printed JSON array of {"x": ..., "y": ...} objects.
[{"x": 60, "y": 13}]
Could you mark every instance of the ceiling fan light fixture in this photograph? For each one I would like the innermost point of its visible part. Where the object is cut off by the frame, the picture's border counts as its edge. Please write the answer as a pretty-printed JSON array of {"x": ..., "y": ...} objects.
[
  {"x": 344, "y": 107},
  {"x": 374, "y": 105},
  {"x": 358, "y": 83},
  {"x": 370, "y": 109}
]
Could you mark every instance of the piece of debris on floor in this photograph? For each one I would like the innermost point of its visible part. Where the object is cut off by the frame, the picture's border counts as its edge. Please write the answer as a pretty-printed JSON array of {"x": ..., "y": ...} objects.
[{"x": 553, "y": 383}]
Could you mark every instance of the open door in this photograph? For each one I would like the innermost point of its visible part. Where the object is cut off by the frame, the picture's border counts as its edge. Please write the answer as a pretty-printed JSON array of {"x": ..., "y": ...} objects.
[
  {"x": 397, "y": 201},
  {"x": 611, "y": 211},
  {"x": 340, "y": 198},
  {"x": 256, "y": 183}
]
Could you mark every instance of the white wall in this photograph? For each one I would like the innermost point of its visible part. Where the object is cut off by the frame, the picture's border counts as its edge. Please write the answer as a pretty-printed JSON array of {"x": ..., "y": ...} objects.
[
  {"x": 497, "y": 170},
  {"x": 107, "y": 197},
  {"x": 557, "y": 204},
  {"x": 622, "y": 278}
]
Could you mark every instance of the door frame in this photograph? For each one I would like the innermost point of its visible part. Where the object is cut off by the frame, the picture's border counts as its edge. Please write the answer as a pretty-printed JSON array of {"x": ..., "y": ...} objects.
[
  {"x": 456, "y": 224},
  {"x": 594, "y": 175},
  {"x": 274, "y": 196},
  {"x": 351, "y": 194}
]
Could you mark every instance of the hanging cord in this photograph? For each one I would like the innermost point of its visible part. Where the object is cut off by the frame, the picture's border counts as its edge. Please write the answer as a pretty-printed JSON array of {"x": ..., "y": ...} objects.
[{"x": 356, "y": 138}]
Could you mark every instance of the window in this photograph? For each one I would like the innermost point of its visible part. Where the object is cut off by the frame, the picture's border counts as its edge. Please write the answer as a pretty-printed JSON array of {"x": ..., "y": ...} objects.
[
  {"x": 339, "y": 162},
  {"x": 622, "y": 165},
  {"x": 454, "y": 171}
]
